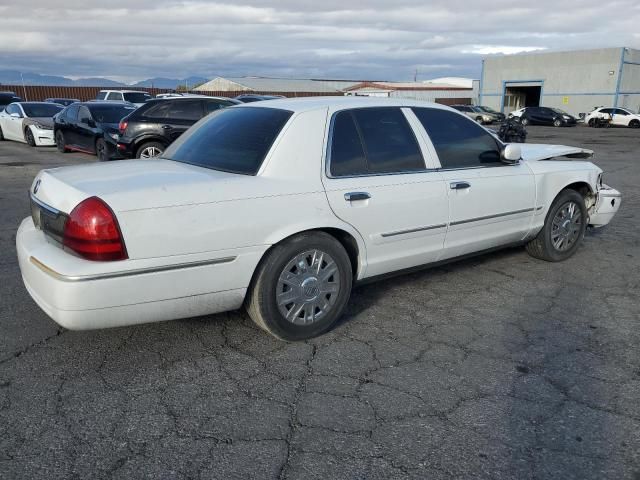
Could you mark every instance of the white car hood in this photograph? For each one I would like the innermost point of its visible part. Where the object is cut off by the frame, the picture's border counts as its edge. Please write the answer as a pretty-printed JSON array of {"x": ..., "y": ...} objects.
[{"x": 532, "y": 152}]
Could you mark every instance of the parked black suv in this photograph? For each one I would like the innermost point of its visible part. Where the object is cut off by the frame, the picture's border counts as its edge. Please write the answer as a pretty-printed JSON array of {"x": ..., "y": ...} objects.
[
  {"x": 8, "y": 97},
  {"x": 149, "y": 130},
  {"x": 90, "y": 127}
]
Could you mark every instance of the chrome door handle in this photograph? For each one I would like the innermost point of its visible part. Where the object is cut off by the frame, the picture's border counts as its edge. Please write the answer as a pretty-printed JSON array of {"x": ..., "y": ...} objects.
[
  {"x": 166, "y": 127},
  {"x": 355, "y": 196},
  {"x": 459, "y": 185}
]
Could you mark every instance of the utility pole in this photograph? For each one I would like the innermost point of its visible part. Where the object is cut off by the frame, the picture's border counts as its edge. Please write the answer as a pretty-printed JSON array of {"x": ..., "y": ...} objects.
[
  {"x": 24, "y": 89},
  {"x": 415, "y": 76}
]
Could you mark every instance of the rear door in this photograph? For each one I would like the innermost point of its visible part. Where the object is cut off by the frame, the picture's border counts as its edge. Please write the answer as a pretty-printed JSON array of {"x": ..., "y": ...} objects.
[
  {"x": 181, "y": 114},
  {"x": 490, "y": 203},
  {"x": 85, "y": 134},
  {"x": 379, "y": 178},
  {"x": 68, "y": 125}
]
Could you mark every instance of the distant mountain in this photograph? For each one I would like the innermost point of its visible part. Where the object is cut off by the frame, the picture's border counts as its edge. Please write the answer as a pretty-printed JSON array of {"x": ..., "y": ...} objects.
[
  {"x": 13, "y": 77},
  {"x": 162, "y": 82}
]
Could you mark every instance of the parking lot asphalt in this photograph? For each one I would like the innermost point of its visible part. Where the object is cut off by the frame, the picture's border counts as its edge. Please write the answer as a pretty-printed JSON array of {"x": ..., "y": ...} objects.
[{"x": 501, "y": 366}]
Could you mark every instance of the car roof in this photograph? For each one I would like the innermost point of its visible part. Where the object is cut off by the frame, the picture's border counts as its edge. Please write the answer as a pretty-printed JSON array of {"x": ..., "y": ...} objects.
[
  {"x": 190, "y": 96},
  {"x": 106, "y": 103},
  {"x": 339, "y": 102},
  {"x": 124, "y": 91}
]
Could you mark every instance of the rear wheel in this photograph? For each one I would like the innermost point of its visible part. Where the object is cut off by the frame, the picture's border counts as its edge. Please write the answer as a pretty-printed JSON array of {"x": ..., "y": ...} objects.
[
  {"x": 150, "y": 150},
  {"x": 61, "y": 142},
  {"x": 301, "y": 287},
  {"x": 28, "y": 135},
  {"x": 101, "y": 150},
  {"x": 563, "y": 228}
]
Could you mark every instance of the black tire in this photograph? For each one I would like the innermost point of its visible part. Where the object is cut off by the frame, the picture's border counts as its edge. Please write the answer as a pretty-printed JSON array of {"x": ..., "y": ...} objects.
[
  {"x": 542, "y": 246},
  {"x": 102, "y": 151},
  {"x": 149, "y": 145},
  {"x": 592, "y": 122},
  {"x": 524, "y": 122},
  {"x": 634, "y": 123},
  {"x": 479, "y": 120},
  {"x": 28, "y": 136},
  {"x": 261, "y": 301},
  {"x": 1, "y": 135},
  {"x": 557, "y": 122},
  {"x": 61, "y": 142}
]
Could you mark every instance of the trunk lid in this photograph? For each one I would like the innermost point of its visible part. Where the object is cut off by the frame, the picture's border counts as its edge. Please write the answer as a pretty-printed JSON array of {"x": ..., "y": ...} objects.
[{"x": 136, "y": 185}]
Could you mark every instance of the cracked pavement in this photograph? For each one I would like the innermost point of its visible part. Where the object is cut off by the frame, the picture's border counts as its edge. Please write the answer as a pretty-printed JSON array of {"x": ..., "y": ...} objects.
[{"x": 498, "y": 367}]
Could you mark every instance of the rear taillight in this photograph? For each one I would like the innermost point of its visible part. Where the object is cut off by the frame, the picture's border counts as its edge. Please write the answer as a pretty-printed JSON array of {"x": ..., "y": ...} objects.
[
  {"x": 123, "y": 126},
  {"x": 92, "y": 232}
]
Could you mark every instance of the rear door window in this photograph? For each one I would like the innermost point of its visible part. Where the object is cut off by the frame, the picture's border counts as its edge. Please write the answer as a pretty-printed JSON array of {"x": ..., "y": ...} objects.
[
  {"x": 114, "y": 96},
  {"x": 101, "y": 95},
  {"x": 185, "y": 110},
  {"x": 370, "y": 141}
]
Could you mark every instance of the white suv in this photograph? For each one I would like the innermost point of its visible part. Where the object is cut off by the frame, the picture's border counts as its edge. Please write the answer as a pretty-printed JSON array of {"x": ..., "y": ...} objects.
[
  {"x": 619, "y": 116},
  {"x": 132, "y": 96}
]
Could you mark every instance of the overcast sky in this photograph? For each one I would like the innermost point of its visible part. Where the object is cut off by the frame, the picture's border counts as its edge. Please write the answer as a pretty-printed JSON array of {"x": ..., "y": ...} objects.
[{"x": 378, "y": 39}]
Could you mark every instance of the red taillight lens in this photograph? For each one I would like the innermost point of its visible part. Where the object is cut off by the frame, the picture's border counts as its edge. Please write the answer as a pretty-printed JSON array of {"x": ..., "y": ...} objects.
[
  {"x": 92, "y": 232},
  {"x": 123, "y": 126}
]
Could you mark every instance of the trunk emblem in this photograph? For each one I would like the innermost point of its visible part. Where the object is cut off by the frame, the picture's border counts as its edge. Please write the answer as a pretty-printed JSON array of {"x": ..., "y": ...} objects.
[{"x": 36, "y": 186}]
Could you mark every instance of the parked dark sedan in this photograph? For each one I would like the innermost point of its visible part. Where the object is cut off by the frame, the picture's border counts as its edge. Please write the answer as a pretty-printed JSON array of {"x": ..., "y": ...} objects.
[
  {"x": 8, "y": 97},
  {"x": 547, "y": 116},
  {"x": 250, "y": 97},
  {"x": 500, "y": 117},
  {"x": 90, "y": 127},
  {"x": 62, "y": 101},
  {"x": 149, "y": 130}
]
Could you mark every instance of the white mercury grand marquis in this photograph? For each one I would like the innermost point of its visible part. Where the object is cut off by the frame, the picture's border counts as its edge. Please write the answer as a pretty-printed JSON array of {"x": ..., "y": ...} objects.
[{"x": 281, "y": 206}]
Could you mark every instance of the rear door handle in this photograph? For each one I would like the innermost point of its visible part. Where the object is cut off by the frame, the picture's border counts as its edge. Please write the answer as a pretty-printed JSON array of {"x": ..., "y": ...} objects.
[
  {"x": 355, "y": 196},
  {"x": 459, "y": 185}
]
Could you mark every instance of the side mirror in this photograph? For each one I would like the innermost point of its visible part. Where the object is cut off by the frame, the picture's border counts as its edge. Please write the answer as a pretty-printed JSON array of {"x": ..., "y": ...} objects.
[{"x": 511, "y": 154}]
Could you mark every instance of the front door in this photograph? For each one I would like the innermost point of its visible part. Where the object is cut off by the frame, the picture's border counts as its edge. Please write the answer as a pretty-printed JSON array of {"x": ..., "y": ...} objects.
[
  {"x": 377, "y": 181},
  {"x": 490, "y": 203}
]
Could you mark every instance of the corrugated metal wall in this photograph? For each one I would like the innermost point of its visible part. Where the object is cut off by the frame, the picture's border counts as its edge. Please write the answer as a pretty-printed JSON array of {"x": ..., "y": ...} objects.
[{"x": 36, "y": 93}]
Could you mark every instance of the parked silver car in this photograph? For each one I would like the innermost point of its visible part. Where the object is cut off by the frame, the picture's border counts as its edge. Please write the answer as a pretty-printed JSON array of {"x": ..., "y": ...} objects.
[{"x": 475, "y": 113}]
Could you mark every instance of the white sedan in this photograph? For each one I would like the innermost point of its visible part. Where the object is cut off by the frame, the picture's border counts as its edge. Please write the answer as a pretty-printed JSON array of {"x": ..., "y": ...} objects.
[
  {"x": 618, "y": 116},
  {"x": 281, "y": 206},
  {"x": 29, "y": 122}
]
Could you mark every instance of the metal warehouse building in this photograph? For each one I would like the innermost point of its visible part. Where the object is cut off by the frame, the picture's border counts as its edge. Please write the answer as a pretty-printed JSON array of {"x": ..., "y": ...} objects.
[{"x": 574, "y": 81}]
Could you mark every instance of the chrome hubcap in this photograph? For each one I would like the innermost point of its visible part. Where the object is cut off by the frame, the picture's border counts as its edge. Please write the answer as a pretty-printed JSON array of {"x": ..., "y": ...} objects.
[
  {"x": 308, "y": 287},
  {"x": 566, "y": 226},
  {"x": 150, "y": 152}
]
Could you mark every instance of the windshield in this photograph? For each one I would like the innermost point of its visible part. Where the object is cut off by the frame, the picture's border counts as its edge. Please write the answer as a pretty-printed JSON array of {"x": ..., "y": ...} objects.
[
  {"x": 137, "y": 97},
  {"x": 487, "y": 109},
  {"x": 41, "y": 109},
  {"x": 233, "y": 140},
  {"x": 110, "y": 114}
]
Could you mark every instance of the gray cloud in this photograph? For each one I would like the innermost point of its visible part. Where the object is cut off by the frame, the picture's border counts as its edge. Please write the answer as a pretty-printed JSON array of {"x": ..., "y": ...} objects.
[{"x": 375, "y": 39}]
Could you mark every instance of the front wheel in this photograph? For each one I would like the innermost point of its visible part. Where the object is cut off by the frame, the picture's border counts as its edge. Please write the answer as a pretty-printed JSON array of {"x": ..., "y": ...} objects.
[
  {"x": 1, "y": 135},
  {"x": 301, "y": 287},
  {"x": 634, "y": 123},
  {"x": 524, "y": 122},
  {"x": 592, "y": 122},
  {"x": 563, "y": 228},
  {"x": 479, "y": 119},
  {"x": 61, "y": 142},
  {"x": 557, "y": 122},
  {"x": 28, "y": 136}
]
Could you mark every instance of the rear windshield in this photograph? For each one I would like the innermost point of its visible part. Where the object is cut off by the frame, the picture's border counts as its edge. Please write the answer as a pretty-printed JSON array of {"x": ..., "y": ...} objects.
[
  {"x": 232, "y": 140},
  {"x": 109, "y": 114},
  {"x": 41, "y": 109},
  {"x": 137, "y": 97}
]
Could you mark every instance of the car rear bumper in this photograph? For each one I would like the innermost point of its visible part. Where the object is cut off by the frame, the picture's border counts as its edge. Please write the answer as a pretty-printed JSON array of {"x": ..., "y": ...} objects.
[
  {"x": 607, "y": 205},
  {"x": 81, "y": 300},
  {"x": 125, "y": 149}
]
